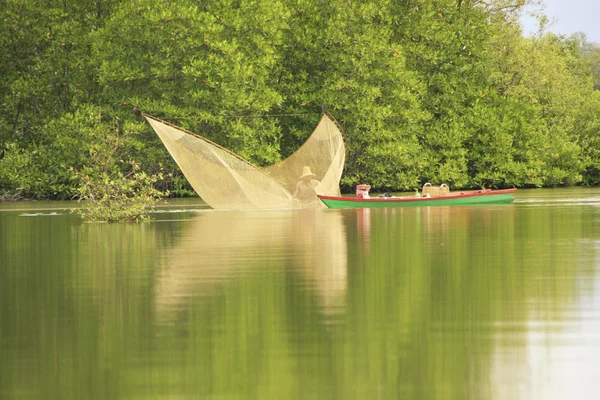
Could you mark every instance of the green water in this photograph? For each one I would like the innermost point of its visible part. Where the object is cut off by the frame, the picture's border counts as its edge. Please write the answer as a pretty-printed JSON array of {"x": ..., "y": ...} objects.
[{"x": 484, "y": 302}]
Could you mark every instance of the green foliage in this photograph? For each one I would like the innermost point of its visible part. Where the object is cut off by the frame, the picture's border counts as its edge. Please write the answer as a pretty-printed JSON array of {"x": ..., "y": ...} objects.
[
  {"x": 591, "y": 55},
  {"x": 441, "y": 91},
  {"x": 344, "y": 55},
  {"x": 198, "y": 65},
  {"x": 113, "y": 188},
  {"x": 117, "y": 196},
  {"x": 42, "y": 170}
]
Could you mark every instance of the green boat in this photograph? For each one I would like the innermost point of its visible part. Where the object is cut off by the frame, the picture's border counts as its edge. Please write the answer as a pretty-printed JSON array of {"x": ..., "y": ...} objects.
[{"x": 474, "y": 197}]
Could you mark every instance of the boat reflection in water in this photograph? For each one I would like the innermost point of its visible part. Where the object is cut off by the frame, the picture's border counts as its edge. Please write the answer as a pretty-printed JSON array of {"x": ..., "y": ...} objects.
[{"x": 216, "y": 249}]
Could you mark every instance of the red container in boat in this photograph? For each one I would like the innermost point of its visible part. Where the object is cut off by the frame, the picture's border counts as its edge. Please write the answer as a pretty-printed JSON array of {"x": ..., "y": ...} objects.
[{"x": 362, "y": 191}]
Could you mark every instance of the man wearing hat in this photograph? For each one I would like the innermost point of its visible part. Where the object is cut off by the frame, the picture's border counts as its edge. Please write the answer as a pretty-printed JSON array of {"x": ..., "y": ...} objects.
[{"x": 305, "y": 189}]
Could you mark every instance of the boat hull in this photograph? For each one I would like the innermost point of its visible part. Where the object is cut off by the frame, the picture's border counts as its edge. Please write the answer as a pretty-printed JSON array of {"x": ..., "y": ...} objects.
[{"x": 477, "y": 197}]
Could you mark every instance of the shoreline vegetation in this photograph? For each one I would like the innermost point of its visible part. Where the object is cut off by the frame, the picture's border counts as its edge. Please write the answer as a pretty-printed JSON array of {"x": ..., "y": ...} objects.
[
  {"x": 12, "y": 197},
  {"x": 448, "y": 91}
]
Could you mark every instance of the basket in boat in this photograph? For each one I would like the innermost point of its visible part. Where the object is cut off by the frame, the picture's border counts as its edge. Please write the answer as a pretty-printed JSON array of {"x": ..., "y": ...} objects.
[{"x": 435, "y": 191}]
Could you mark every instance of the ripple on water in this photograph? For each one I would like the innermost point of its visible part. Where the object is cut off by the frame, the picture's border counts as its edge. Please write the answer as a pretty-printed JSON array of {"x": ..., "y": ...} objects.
[{"x": 52, "y": 214}]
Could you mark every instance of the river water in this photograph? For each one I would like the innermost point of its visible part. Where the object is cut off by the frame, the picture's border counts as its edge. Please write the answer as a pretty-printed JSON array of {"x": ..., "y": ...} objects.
[{"x": 483, "y": 302}]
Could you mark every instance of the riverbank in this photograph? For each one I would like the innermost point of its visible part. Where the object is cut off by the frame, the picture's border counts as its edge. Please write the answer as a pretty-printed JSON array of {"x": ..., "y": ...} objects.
[{"x": 580, "y": 194}]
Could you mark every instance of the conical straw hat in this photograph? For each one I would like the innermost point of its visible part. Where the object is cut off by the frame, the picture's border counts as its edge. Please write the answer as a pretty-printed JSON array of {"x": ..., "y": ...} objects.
[{"x": 306, "y": 172}]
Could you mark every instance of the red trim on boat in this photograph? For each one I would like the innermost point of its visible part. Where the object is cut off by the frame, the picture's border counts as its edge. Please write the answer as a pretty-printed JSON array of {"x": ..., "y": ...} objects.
[{"x": 453, "y": 195}]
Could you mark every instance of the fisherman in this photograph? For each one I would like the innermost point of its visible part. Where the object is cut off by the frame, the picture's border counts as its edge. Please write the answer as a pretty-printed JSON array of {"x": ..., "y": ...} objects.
[{"x": 305, "y": 192}]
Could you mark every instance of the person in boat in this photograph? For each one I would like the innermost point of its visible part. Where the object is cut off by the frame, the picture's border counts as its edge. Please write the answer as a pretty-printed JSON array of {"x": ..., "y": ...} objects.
[{"x": 305, "y": 194}]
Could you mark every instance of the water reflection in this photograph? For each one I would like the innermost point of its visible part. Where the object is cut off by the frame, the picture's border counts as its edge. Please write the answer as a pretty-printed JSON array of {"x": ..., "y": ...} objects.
[
  {"x": 549, "y": 349},
  {"x": 215, "y": 248},
  {"x": 438, "y": 303}
]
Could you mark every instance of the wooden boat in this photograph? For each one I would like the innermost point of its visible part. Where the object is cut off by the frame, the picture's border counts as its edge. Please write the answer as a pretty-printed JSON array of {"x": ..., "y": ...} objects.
[{"x": 473, "y": 197}]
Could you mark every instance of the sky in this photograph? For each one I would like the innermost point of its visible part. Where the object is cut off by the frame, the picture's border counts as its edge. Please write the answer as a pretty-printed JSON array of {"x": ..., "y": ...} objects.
[{"x": 570, "y": 16}]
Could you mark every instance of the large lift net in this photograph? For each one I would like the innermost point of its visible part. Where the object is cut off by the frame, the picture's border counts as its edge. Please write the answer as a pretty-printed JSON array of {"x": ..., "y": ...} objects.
[{"x": 225, "y": 180}]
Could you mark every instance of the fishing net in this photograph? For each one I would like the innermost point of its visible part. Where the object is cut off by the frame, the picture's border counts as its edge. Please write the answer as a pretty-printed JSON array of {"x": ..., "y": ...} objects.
[
  {"x": 323, "y": 153},
  {"x": 224, "y": 180}
]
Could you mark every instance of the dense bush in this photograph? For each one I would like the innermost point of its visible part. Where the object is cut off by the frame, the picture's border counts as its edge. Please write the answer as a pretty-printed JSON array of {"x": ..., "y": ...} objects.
[{"x": 426, "y": 91}]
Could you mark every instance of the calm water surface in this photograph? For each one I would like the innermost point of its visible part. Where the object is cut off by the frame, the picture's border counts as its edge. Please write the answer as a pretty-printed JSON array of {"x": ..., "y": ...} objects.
[{"x": 496, "y": 302}]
